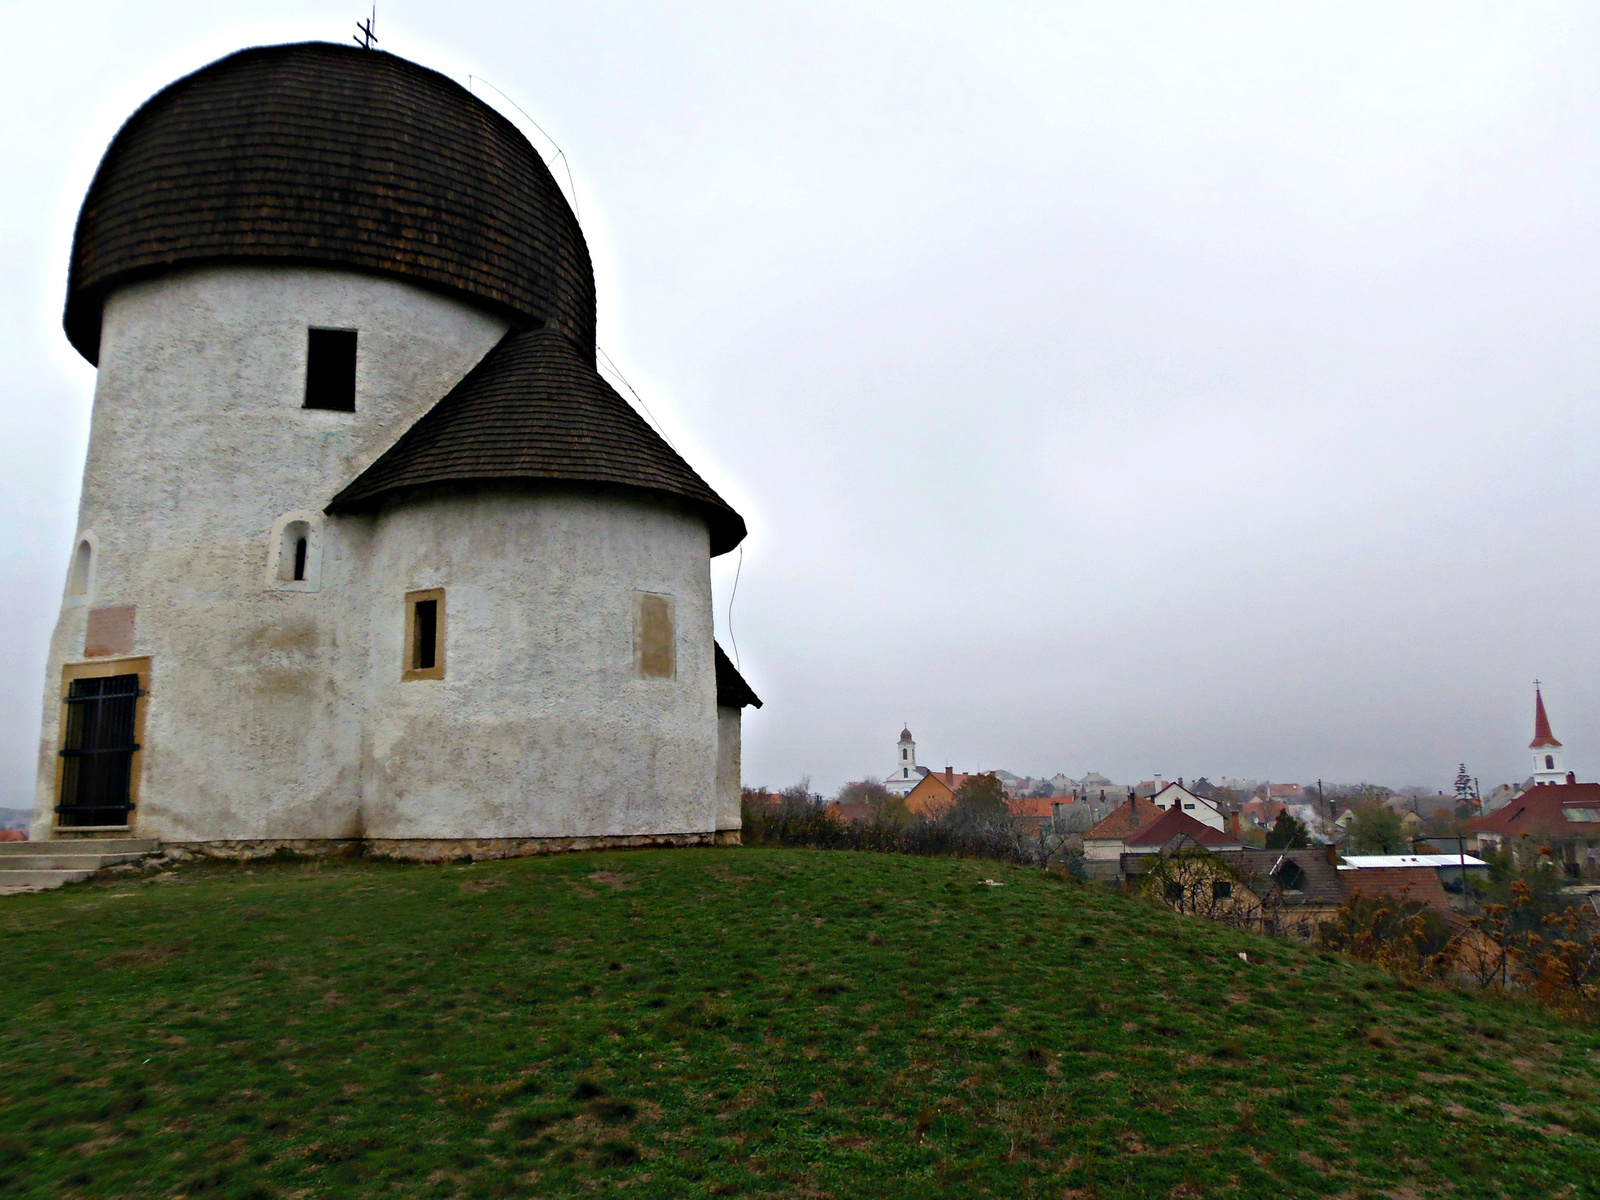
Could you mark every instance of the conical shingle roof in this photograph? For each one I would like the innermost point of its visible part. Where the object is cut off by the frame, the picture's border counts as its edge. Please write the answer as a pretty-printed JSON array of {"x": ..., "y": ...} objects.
[{"x": 535, "y": 411}]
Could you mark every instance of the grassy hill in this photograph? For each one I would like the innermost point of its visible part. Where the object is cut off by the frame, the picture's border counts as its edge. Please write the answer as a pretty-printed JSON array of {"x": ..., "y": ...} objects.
[{"x": 742, "y": 1022}]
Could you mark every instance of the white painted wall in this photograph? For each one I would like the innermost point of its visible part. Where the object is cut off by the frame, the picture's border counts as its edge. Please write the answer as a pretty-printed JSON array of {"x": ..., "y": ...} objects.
[
  {"x": 540, "y": 727},
  {"x": 1200, "y": 809},
  {"x": 276, "y": 710},
  {"x": 729, "y": 731}
]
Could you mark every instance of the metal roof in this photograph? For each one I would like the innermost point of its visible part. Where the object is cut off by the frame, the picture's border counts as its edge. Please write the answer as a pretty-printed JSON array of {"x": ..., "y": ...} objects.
[{"x": 1358, "y": 862}]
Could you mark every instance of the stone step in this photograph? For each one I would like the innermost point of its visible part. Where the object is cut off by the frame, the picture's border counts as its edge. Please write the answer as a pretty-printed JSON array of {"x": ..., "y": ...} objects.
[
  {"x": 69, "y": 845},
  {"x": 59, "y": 860},
  {"x": 38, "y": 881}
]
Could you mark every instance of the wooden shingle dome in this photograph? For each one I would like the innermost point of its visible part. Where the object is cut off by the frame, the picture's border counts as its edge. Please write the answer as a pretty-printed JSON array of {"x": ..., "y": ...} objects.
[{"x": 318, "y": 154}]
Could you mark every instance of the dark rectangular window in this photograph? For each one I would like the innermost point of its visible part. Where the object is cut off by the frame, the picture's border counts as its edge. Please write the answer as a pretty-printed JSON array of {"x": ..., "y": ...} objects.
[
  {"x": 97, "y": 751},
  {"x": 1221, "y": 889},
  {"x": 425, "y": 645},
  {"x": 425, "y": 635},
  {"x": 331, "y": 369}
]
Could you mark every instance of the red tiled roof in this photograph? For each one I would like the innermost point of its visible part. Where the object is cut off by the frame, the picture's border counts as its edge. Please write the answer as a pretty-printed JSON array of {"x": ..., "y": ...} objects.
[
  {"x": 1537, "y": 812},
  {"x": 1408, "y": 883},
  {"x": 1126, "y": 818},
  {"x": 1541, "y": 724},
  {"x": 1031, "y": 807},
  {"x": 860, "y": 814},
  {"x": 1171, "y": 824}
]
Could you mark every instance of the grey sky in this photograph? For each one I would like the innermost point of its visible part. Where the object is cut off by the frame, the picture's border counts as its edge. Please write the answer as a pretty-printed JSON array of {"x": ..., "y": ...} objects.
[{"x": 1193, "y": 389}]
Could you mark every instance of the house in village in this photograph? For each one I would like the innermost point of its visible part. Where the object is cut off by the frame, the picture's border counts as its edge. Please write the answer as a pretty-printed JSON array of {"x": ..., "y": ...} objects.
[
  {"x": 1112, "y": 847},
  {"x": 367, "y": 550},
  {"x": 1555, "y": 812},
  {"x": 935, "y": 793},
  {"x": 1175, "y": 795},
  {"x": 1274, "y": 891},
  {"x": 1376, "y": 873},
  {"x": 1565, "y": 818}
]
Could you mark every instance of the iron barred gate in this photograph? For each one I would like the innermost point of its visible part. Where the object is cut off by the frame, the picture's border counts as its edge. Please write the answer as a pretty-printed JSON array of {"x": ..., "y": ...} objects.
[{"x": 97, "y": 752}]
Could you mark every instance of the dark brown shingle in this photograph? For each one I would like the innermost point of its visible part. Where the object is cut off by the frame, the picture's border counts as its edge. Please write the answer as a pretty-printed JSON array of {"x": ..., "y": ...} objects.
[
  {"x": 534, "y": 411},
  {"x": 732, "y": 690},
  {"x": 331, "y": 155}
]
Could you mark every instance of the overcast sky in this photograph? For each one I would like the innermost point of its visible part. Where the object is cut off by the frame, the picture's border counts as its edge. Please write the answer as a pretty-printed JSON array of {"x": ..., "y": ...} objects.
[{"x": 1184, "y": 389}]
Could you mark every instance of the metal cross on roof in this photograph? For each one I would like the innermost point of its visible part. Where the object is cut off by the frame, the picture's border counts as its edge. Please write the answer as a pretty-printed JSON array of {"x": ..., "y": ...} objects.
[{"x": 368, "y": 34}]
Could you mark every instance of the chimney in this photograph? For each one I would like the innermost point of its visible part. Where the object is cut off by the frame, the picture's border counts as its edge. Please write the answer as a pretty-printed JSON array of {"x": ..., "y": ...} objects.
[
  {"x": 1233, "y": 827},
  {"x": 1333, "y": 855},
  {"x": 949, "y": 775}
]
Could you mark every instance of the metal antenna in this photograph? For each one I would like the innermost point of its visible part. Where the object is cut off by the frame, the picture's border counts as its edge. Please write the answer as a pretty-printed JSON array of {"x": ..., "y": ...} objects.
[{"x": 368, "y": 33}]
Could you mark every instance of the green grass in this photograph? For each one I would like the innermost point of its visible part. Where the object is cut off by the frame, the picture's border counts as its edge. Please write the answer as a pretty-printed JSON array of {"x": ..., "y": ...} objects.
[{"x": 742, "y": 1022}]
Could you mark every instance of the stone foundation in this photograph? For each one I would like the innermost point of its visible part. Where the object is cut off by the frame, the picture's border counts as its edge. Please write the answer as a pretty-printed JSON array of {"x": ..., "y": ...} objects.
[{"x": 439, "y": 849}]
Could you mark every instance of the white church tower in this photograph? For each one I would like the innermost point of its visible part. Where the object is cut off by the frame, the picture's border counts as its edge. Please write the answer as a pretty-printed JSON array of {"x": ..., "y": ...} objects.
[
  {"x": 1547, "y": 768},
  {"x": 906, "y": 774}
]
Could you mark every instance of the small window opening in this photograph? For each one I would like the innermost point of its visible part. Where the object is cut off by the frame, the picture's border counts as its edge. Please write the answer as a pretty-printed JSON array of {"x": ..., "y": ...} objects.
[
  {"x": 905, "y": 754},
  {"x": 78, "y": 577},
  {"x": 425, "y": 644},
  {"x": 1174, "y": 892},
  {"x": 1290, "y": 876},
  {"x": 1221, "y": 889},
  {"x": 293, "y": 551},
  {"x": 331, "y": 369},
  {"x": 424, "y": 635},
  {"x": 1549, "y": 762}
]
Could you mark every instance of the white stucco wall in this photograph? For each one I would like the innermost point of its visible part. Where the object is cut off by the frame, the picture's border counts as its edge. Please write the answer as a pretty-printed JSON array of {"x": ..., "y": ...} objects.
[
  {"x": 198, "y": 444},
  {"x": 276, "y": 708},
  {"x": 729, "y": 732},
  {"x": 540, "y": 726},
  {"x": 1194, "y": 806}
]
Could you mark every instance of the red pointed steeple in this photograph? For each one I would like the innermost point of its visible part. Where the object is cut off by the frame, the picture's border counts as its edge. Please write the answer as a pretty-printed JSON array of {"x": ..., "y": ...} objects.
[{"x": 1541, "y": 725}]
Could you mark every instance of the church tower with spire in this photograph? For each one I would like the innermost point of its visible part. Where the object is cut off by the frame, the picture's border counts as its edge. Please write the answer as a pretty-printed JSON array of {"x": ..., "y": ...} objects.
[
  {"x": 1547, "y": 766},
  {"x": 906, "y": 774}
]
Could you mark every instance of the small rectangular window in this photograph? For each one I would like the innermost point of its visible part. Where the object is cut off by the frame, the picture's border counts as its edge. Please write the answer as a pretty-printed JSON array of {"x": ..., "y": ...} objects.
[
  {"x": 1221, "y": 889},
  {"x": 331, "y": 369},
  {"x": 424, "y": 648},
  {"x": 653, "y": 636}
]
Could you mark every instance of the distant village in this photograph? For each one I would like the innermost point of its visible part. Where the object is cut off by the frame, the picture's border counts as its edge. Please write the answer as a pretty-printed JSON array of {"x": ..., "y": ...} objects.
[{"x": 1286, "y": 853}]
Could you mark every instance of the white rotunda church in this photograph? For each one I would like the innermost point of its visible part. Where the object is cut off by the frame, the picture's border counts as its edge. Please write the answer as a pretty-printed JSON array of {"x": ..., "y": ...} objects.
[{"x": 368, "y": 552}]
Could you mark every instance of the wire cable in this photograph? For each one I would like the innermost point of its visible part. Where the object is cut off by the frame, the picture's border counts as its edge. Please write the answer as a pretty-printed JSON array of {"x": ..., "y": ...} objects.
[
  {"x": 737, "y": 665},
  {"x": 566, "y": 162},
  {"x": 659, "y": 428}
]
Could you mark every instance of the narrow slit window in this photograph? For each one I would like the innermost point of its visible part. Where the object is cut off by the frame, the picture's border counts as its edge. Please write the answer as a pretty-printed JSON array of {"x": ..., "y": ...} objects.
[
  {"x": 331, "y": 369},
  {"x": 424, "y": 648},
  {"x": 294, "y": 552},
  {"x": 426, "y": 644},
  {"x": 82, "y": 564}
]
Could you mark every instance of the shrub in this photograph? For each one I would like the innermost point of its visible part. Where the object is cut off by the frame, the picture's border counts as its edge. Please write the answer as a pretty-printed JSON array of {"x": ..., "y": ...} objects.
[
  {"x": 960, "y": 832},
  {"x": 1406, "y": 937}
]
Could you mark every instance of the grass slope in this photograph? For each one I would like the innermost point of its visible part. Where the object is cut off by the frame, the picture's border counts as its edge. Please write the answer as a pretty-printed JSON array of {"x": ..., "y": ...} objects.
[{"x": 741, "y": 1022}]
